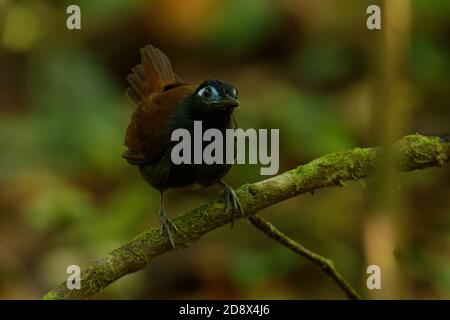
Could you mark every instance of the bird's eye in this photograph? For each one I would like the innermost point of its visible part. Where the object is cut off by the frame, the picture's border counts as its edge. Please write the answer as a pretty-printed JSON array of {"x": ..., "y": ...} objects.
[
  {"x": 234, "y": 93},
  {"x": 207, "y": 92}
]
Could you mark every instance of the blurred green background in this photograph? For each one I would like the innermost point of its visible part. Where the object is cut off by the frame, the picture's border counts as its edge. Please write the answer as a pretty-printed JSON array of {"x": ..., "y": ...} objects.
[{"x": 310, "y": 68}]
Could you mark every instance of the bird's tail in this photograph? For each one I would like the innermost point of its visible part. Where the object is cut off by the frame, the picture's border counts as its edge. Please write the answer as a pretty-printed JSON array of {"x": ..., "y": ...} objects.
[{"x": 154, "y": 74}]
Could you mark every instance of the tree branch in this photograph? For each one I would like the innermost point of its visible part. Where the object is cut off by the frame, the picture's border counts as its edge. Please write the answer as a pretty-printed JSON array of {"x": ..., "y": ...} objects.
[
  {"x": 411, "y": 152},
  {"x": 325, "y": 264}
]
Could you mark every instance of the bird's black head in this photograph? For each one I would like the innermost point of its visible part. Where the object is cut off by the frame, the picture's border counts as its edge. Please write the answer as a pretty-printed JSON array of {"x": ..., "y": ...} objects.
[{"x": 216, "y": 95}]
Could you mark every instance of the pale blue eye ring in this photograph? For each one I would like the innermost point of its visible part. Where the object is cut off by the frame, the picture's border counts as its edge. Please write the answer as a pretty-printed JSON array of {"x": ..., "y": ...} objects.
[{"x": 208, "y": 92}]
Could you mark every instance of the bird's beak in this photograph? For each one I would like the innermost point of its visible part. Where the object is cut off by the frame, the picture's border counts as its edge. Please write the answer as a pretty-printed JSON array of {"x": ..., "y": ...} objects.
[{"x": 230, "y": 102}]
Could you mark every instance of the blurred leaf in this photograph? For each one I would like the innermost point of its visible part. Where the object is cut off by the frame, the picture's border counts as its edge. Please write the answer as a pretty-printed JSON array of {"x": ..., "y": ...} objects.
[
  {"x": 251, "y": 267},
  {"x": 57, "y": 205},
  {"x": 308, "y": 121},
  {"x": 22, "y": 27},
  {"x": 80, "y": 115},
  {"x": 104, "y": 12},
  {"x": 435, "y": 8},
  {"x": 323, "y": 63},
  {"x": 243, "y": 25},
  {"x": 430, "y": 64}
]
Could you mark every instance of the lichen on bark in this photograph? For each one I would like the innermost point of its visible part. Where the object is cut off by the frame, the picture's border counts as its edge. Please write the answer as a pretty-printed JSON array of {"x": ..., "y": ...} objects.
[{"x": 411, "y": 152}]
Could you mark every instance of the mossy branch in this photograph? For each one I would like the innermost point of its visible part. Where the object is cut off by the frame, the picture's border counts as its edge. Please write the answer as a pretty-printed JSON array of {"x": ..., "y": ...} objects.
[{"x": 411, "y": 152}]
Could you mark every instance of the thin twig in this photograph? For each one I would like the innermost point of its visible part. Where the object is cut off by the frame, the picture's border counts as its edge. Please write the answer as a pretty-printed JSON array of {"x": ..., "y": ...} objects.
[{"x": 325, "y": 264}]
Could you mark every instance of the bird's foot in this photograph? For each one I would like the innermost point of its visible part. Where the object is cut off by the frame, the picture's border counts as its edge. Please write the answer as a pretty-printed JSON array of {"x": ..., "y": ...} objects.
[
  {"x": 166, "y": 225},
  {"x": 232, "y": 203}
]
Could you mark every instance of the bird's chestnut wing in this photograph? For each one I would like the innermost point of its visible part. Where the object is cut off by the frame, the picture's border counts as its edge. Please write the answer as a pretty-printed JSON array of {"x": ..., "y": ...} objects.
[
  {"x": 157, "y": 91},
  {"x": 145, "y": 133}
]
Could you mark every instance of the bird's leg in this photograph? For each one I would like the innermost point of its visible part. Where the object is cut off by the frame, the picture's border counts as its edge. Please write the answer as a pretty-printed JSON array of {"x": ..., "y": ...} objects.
[
  {"x": 232, "y": 202},
  {"x": 165, "y": 223}
]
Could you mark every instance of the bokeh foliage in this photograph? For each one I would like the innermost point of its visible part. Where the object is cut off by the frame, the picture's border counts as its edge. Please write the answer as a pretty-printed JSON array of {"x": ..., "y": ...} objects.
[{"x": 304, "y": 67}]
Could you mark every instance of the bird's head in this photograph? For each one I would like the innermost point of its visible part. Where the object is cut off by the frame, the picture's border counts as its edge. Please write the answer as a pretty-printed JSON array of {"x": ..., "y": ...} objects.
[{"x": 216, "y": 95}]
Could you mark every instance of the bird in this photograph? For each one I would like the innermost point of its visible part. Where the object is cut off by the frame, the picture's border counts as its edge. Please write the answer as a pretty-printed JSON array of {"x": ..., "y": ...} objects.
[{"x": 164, "y": 102}]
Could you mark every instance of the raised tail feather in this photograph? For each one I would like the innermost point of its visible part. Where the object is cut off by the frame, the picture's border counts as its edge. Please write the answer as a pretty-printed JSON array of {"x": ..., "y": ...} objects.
[{"x": 154, "y": 74}]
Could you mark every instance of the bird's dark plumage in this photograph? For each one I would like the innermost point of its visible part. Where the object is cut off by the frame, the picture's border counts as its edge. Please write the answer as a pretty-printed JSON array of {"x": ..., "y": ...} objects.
[{"x": 164, "y": 102}]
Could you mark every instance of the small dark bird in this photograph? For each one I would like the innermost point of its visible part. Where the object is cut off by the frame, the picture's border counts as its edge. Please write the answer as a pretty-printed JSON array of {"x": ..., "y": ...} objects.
[{"x": 165, "y": 103}]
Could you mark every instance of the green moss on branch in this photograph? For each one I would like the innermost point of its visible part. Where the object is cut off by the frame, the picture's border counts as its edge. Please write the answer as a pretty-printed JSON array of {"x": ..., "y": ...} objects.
[{"x": 411, "y": 152}]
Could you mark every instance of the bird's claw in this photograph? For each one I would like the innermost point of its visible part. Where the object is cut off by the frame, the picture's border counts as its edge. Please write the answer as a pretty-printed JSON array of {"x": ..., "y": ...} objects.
[
  {"x": 166, "y": 225},
  {"x": 232, "y": 203}
]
